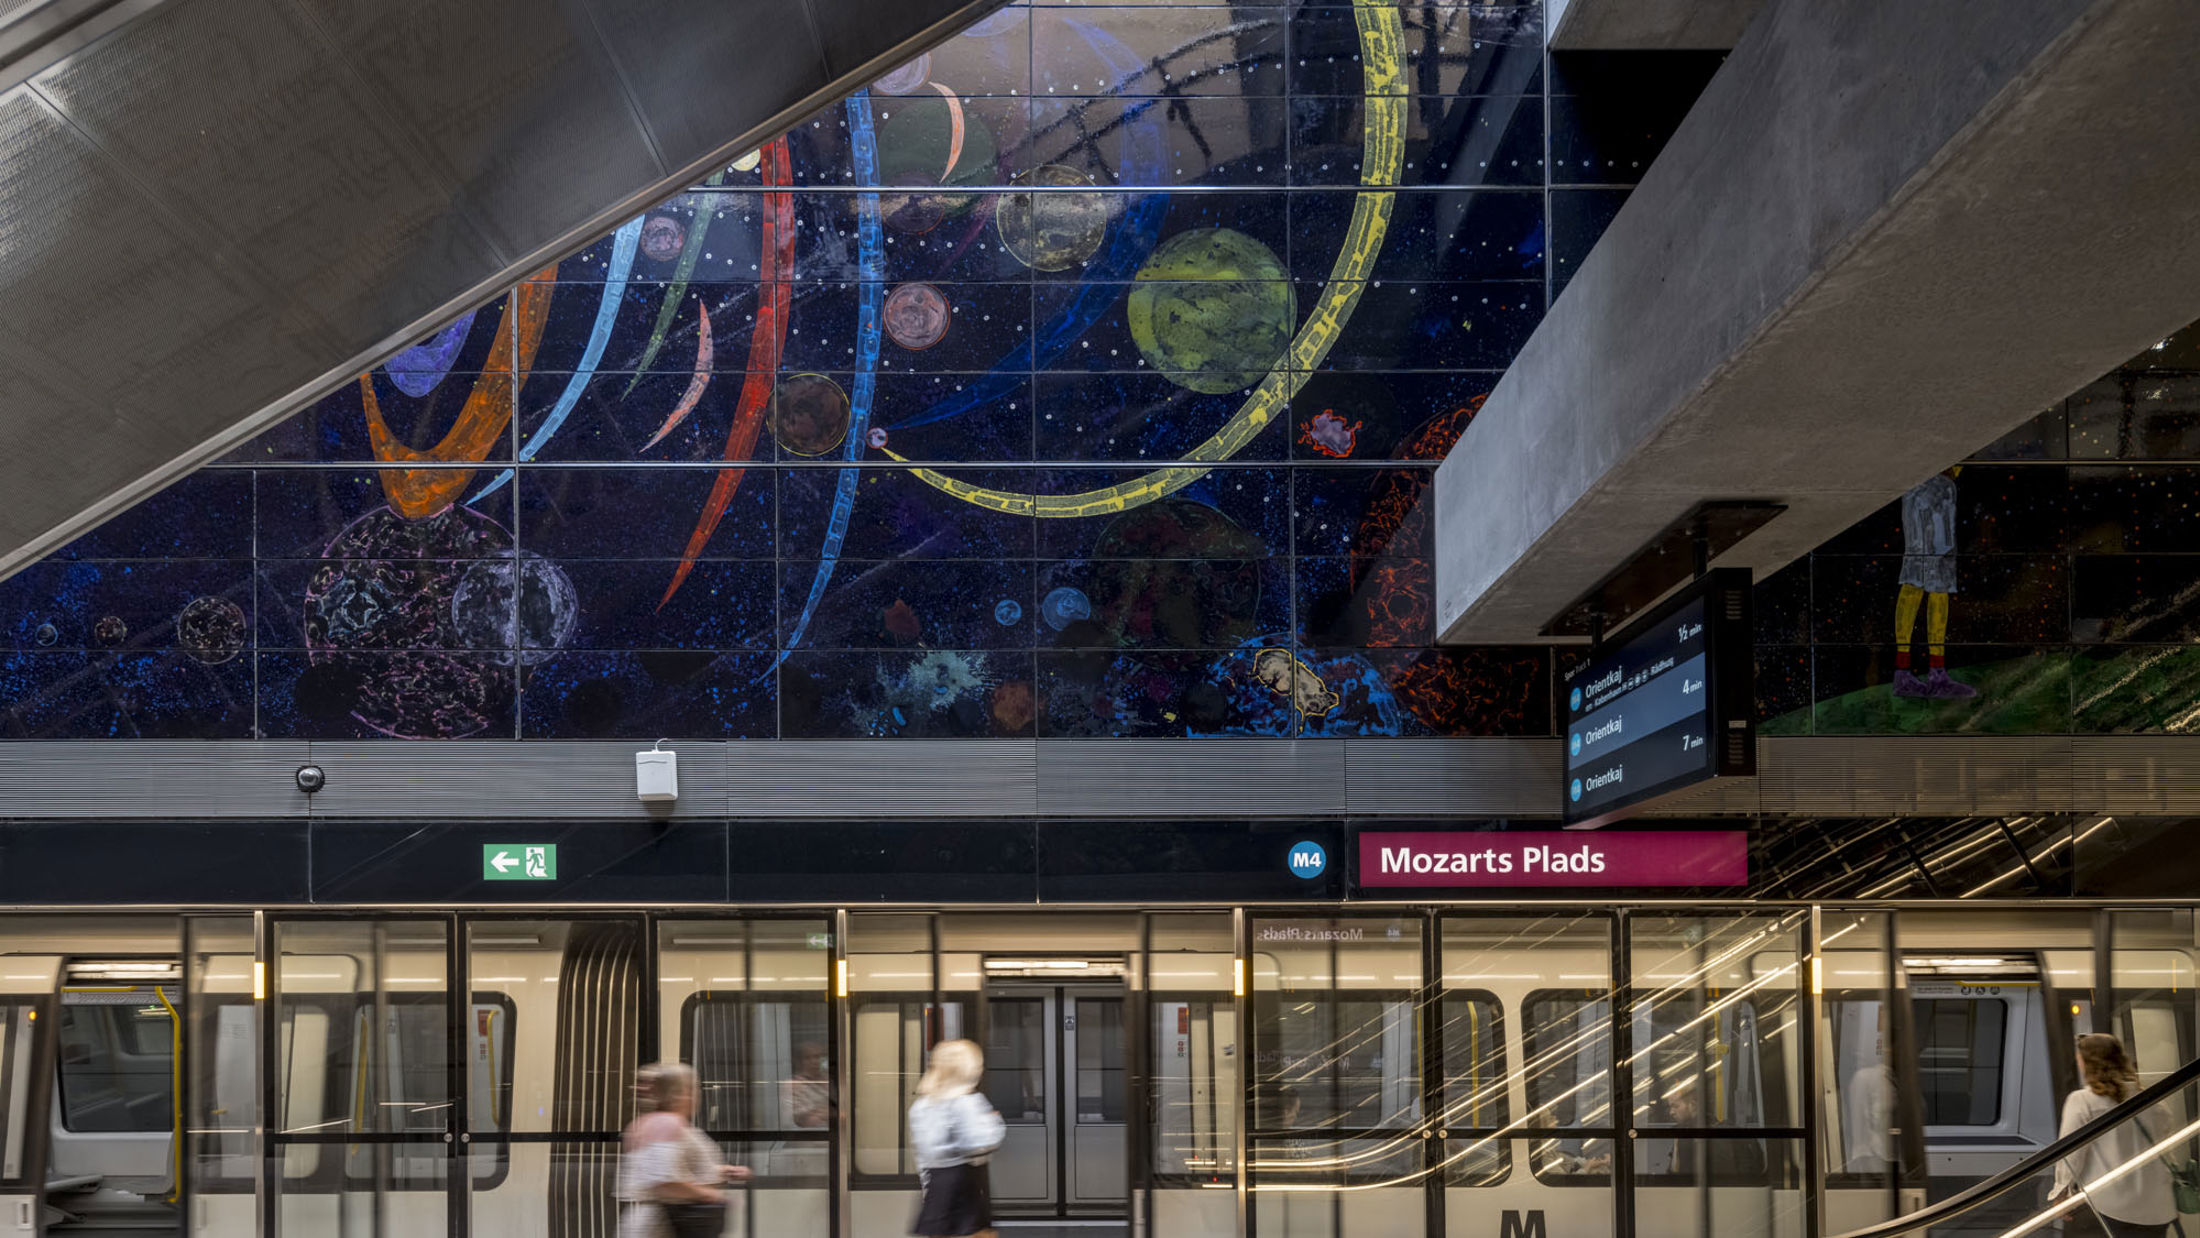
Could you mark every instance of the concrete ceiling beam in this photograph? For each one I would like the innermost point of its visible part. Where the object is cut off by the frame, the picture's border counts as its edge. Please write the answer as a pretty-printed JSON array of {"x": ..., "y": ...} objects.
[{"x": 1888, "y": 232}]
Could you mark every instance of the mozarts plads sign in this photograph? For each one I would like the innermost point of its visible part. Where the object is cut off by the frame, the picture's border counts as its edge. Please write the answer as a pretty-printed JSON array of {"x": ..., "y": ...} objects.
[{"x": 1555, "y": 859}]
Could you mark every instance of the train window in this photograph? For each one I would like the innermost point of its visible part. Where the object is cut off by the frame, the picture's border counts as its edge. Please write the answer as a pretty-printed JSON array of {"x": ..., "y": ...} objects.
[
  {"x": 1337, "y": 1060},
  {"x": 1567, "y": 1040},
  {"x": 1193, "y": 1085},
  {"x": 1015, "y": 1058},
  {"x": 1474, "y": 1087},
  {"x": 117, "y": 1064},
  {"x": 1100, "y": 1060},
  {"x": 1959, "y": 1058},
  {"x": 892, "y": 1036},
  {"x": 760, "y": 1060}
]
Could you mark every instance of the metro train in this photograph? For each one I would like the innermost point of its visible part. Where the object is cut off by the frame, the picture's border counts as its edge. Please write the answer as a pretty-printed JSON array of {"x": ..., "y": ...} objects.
[{"x": 1326, "y": 1082}]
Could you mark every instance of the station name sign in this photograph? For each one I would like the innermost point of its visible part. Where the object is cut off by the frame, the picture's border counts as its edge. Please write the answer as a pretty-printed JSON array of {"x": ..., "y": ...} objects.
[
  {"x": 1552, "y": 858},
  {"x": 1666, "y": 704}
]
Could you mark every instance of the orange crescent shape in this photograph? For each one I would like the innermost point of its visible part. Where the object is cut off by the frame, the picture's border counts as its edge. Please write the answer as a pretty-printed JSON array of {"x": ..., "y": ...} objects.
[{"x": 417, "y": 494}]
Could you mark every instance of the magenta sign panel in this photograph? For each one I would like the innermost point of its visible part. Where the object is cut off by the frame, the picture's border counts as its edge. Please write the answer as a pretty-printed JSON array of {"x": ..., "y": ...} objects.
[{"x": 1555, "y": 858}]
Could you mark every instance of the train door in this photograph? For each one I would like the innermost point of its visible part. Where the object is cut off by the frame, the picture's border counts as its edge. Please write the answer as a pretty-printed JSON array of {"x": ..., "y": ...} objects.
[
  {"x": 1056, "y": 1071},
  {"x": 364, "y": 1119},
  {"x": 1991, "y": 1005},
  {"x": 1872, "y": 1138},
  {"x": 114, "y": 1131}
]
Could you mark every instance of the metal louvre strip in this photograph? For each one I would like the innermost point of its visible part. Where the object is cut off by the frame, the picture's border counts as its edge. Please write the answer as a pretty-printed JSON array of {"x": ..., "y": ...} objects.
[
  {"x": 1173, "y": 777},
  {"x": 1469, "y": 778}
]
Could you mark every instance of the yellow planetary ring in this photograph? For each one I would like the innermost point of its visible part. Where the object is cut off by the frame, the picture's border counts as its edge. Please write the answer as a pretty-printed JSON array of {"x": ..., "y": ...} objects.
[{"x": 1381, "y": 41}]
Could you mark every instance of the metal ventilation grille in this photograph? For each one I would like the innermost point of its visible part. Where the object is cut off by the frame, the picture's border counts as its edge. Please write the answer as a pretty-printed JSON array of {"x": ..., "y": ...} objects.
[
  {"x": 1459, "y": 778},
  {"x": 152, "y": 779},
  {"x": 491, "y": 779},
  {"x": 1177, "y": 778},
  {"x": 1452, "y": 777},
  {"x": 882, "y": 778}
]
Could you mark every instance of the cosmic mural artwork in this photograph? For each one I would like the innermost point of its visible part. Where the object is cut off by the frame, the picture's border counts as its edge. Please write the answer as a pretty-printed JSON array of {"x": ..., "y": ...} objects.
[
  {"x": 1080, "y": 377},
  {"x": 1083, "y": 377}
]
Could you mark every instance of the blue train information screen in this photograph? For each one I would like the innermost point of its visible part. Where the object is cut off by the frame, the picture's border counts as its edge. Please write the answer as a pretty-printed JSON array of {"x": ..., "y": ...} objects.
[{"x": 1663, "y": 706}]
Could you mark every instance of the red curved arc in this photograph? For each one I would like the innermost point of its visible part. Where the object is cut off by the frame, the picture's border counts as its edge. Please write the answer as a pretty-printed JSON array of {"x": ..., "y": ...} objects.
[
  {"x": 417, "y": 494},
  {"x": 765, "y": 346}
]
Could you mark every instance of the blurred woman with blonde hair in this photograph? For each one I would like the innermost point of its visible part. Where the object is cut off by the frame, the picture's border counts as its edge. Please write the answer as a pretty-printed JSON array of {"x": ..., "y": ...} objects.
[
  {"x": 2140, "y": 1203},
  {"x": 953, "y": 1129}
]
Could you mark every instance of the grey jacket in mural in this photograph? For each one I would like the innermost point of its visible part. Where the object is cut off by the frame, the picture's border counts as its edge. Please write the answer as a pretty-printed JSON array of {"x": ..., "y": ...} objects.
[{"x": 956, "y": 1131}]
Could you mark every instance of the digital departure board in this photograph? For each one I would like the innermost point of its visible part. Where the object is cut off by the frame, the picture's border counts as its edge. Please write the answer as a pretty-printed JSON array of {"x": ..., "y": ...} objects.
[{"x": 1666, "y": 704}]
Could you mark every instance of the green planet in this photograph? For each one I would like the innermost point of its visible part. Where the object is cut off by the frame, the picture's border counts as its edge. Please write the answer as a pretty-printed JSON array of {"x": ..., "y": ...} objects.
[{"x": 1213, "y": 309}]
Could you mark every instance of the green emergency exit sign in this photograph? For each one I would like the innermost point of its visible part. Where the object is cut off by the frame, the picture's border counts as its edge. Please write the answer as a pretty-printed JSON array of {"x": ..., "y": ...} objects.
[{"x": 519, "y": 861}]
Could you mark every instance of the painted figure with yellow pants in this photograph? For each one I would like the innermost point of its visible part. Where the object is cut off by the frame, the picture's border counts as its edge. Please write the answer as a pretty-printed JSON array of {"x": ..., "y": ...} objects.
[{"x": 1928, "y": 579}]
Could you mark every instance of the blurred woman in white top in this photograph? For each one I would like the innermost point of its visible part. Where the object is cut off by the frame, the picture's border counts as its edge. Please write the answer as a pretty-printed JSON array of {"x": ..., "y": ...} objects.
[
  {"x": 2139, "y": 1204},
  {"x": 665, "y": 1163}
]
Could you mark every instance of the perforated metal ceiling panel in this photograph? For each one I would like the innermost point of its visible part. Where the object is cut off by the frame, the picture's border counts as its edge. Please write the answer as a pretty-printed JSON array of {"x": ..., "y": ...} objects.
[{"x": 212, "y": 211}]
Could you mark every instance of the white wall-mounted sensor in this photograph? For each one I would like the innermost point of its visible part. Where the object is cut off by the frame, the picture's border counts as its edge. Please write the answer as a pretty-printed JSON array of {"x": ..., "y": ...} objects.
[{"x": 657, "y": 775}]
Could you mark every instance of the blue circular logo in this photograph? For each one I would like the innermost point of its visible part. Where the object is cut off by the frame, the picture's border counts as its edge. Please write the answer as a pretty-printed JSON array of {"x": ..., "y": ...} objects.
[
  {"x": 1308, "y": 859},
  {"x": 1575, "y": 790},
  {"x": 1574, "y": 700},
  {"x": 1574, "y": 748}
]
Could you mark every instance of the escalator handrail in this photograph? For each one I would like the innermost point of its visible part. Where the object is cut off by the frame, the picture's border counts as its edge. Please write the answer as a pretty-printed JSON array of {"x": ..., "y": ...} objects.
[{"x": 2021, "y": 1172}]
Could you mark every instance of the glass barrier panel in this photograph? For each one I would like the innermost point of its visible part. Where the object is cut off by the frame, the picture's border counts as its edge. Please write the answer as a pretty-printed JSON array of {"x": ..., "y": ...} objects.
[
  {"x": 222, "y": 1069},
  {"x": 1861, "y": 1129},
  {"x": 1525, "y": 1017},
  {"x": 1193, "y": 1090},
  {"x": 1714, "y": 1013},
  {"x": 1339, "y": 1144}
]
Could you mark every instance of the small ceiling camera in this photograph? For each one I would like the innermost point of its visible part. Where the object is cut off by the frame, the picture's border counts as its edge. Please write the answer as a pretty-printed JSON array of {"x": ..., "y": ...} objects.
[{"x": 311, "y": 778}]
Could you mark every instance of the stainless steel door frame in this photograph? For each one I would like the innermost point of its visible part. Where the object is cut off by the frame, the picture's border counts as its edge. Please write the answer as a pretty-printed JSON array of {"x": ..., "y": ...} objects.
[{"x": 1044, "y": 1158}]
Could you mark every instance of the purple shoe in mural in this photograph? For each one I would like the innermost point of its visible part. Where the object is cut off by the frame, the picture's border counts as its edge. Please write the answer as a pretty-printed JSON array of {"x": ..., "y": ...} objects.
[
  {"x": 1941, "y": 688},
  {"x": 1906, "y": 684}
]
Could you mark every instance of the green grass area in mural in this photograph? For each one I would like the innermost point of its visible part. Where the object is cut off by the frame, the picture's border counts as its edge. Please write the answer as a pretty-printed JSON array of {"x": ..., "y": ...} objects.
[
  {"x": 2027, "y": 695},
  {"x": 2150, "y": 689},
  {"x": 2093, "y": 692}
]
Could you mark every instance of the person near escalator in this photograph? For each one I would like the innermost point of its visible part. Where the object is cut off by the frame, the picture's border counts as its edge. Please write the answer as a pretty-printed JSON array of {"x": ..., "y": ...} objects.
[
  {"x": 953, "y": 1129},
  {"x": 2139, "y": 1203}
]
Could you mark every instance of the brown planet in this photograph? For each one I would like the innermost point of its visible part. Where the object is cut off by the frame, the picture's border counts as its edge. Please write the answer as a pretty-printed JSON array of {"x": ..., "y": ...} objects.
[
  {"x": 809, "y": 414},
  {"x": 916, "y": 315}
]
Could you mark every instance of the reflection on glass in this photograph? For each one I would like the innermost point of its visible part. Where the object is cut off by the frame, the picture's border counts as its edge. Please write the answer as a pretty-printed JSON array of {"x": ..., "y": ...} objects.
[
  {"x": 1338, "y": 1027},
  {"x": 1713, "y": 1020},
  {"x": 1100, "y": 1061},
  {"x": 1015, "y": 1058}
]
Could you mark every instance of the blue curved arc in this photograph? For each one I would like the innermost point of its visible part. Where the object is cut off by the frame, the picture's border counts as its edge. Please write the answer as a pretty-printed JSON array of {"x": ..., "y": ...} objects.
[
  {"x": 1145, "y": 162},
  {"x": 871, "y": 254},
  {"x": 624, "y": 243}
]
